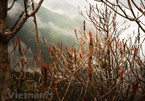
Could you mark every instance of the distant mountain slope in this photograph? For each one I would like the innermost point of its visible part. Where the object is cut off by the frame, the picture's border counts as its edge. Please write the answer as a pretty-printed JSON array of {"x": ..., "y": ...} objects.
[{"x": 53, "y": 27}]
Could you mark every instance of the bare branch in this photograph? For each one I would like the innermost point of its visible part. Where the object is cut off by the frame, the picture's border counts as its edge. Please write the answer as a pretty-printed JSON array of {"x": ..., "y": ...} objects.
[
  {"x": 11, "y": 5},
  {"x": 36, "y": 8},
  {"x": 22, "y": 19},
  {"x": 25, "y": 6},
  {"x": 124, "y": 14}
]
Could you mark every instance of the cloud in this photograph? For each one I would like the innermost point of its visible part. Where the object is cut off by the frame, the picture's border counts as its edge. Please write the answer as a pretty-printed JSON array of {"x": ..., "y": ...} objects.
[
  {"x": 41, "y": 24},
  {"x": 16, "y": 9},
  {"x": 63, "y": 31},
  {"x": 67, "y": 7}
]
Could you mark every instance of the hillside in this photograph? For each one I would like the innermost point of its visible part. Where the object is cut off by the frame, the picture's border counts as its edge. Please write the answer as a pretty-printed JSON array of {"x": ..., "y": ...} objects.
[{"x": 53, "y": 27}]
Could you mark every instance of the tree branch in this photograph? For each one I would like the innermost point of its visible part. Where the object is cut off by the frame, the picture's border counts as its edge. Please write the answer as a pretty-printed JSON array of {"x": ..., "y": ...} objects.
[
  {"x": 22, "y": 19},
  {"x": 11, "y": 5},
  {"x": 124, "y": 13}
]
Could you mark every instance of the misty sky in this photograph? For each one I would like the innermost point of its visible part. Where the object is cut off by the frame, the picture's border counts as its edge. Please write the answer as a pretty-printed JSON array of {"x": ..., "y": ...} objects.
[
  {"x": 71, "y": 9},
  {"x": 67, "y": 7}
]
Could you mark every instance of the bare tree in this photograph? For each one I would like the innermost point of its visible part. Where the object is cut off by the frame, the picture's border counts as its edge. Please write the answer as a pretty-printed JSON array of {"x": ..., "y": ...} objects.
[
  {"x": 6, "y": 34},
  {"x": 131, "y": 7},
  {"x": 104, "y": 68}
]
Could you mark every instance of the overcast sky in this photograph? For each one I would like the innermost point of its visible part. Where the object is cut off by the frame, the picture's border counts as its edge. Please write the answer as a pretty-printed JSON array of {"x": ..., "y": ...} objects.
[
  {"x": 71, "y": 9},
  {"x": 67, "y": 7}
]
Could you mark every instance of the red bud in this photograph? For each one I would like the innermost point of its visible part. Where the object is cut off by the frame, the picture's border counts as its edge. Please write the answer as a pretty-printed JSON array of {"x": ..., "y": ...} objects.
[
  {"x": 84, "y": 22},
  {"x": 66, "y": 47},
  {"x": 141, "y": 10},
  {"x": 43, "y": 40},
  {"x": 74, "y": 51},
  {"x": 59, "y": 44},
  {"x": 90, "y": 34},
  {"x": 134, "y": 87},
  {"x": 23, "y": 75},
  {"x": 89, "y": 68},
  {"x": 53, "y": 86},
  {"x": 121, "y": 72},
  {"x": 135, "y": 49},
  {"x": 85, "y": 98},
  {"x": 120, "y": 45},
  {"x": 75, "y": 31},
  {"x": 18, "y": 39}
]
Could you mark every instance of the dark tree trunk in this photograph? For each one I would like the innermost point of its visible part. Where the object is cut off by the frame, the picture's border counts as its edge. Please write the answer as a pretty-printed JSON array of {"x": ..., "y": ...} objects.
[
  {"x": 4, "y": 72},
  {"x": 3, "y": 13},
  {"x": 3, "y": 9},
  {"x": 4, "y": 61}
]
